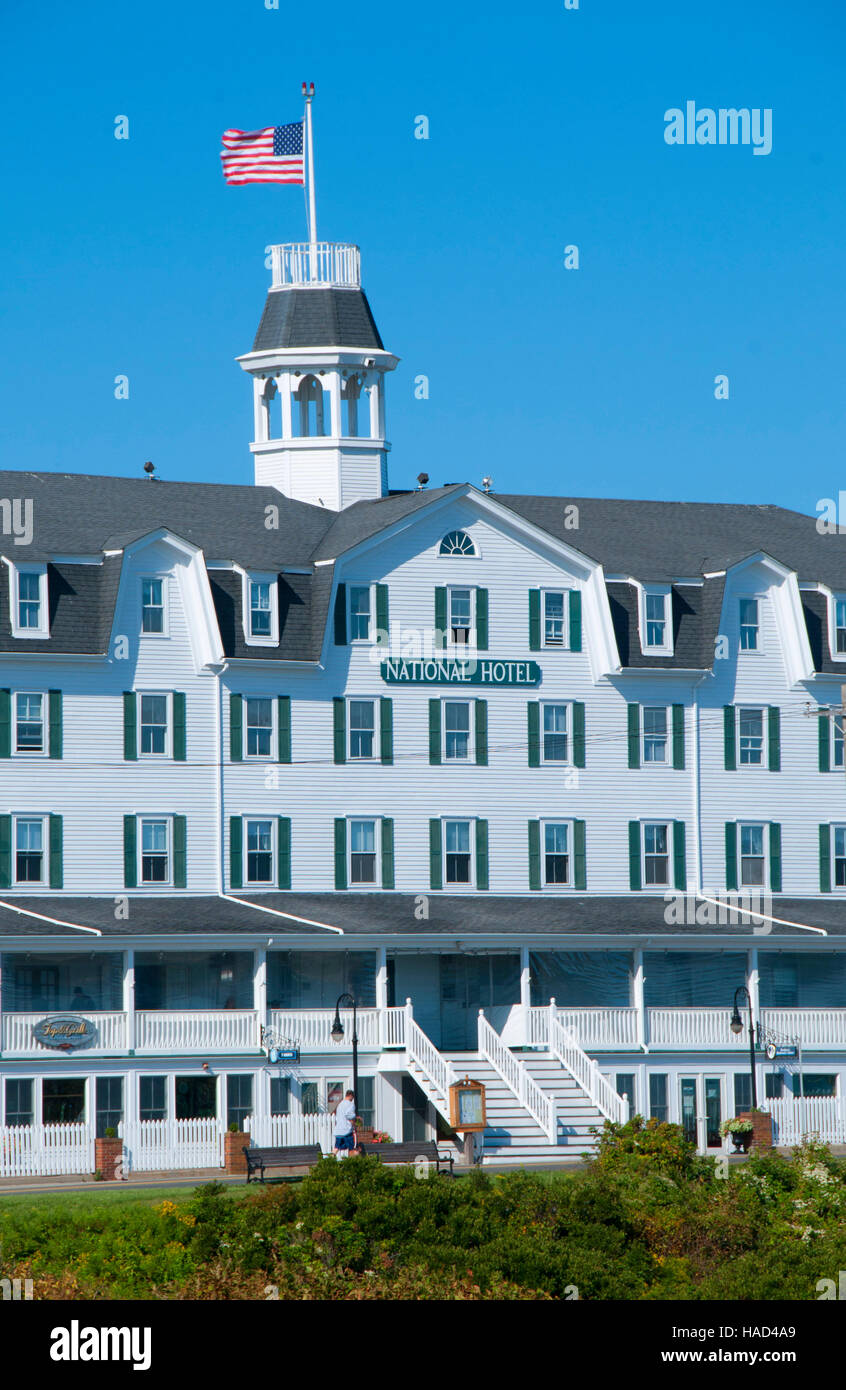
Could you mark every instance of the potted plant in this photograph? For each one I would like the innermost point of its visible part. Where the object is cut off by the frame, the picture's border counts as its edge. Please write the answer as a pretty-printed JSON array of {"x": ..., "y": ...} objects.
[{"x": 741, "y": 1133}]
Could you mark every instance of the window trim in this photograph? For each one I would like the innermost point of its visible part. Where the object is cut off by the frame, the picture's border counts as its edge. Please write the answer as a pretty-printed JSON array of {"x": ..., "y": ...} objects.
[
  {"x": 471, "y": 731},
  {"x": 664, "y": 591},
  {"x": 763, "y": 765},
  {"x": 271, "y": 578},
  {"x": 29, "y": 633},
  {"x": 669, "y": 826},
  {"x": 543, "y": 822},
  {"x": 667, "y": 760},
  {"x": 44, "y": 880},
  {"x": 475, "y": 554},
  {"x": 564, "y": 645},
  {"x": 470, "y": 821},
  {"x": 258, "y": 757},
  {"x": 167, "y": 695},
  {"x": 376, "y": 822},
  {"x": 833, "y": 827},
  {"x": 271, "y": 882},
  {"x": 556, "y": 762},
  {"x": 140, "y": 818},
  {"x": 371, "y": 621},
  {"x": 764, "y": 886},
  {"x": 758, "y": 649},
  {"x": 835, "y": 598},
  {"x": 163, "y": 580},
  {"x": 44, "y": 750},
  {"x": 471, "y": 644},
  {"x": 374, "y": 700}
]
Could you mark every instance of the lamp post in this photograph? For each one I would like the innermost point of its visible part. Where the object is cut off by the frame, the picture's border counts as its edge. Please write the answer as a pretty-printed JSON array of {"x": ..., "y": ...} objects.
[
  {"x": 737, "y": 1027},
  {"x": 338, "y": 1036}
]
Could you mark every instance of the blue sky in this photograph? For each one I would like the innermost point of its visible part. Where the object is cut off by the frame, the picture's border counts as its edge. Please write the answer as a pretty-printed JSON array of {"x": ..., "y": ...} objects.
[{"x": 546, "y": 129}]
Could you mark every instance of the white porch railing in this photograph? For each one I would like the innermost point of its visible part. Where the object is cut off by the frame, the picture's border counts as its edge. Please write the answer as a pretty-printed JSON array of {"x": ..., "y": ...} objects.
[
  {"x": 393, "y": 1027},
  {"x": 814, "y": 1027},
  {"x": 817, "y": 1116},
  {"x": 601, "y": 1030},
  {"x": 159, "y": 1145},
  {"x": 422, "y": 1053},
  {"x": 18, "y": 1041},
  {"x": 311, "y": 1029},
  {"x": 45, "y": 1150},
  {"x": 693, "y": 1029},
  {"x": 564, "y": 1045},
  {"x": 298, "y": 263},
  {"x": 512, "y": 1071},
  {"x": 211, "y": 1030},
  {"x": 274, "y": 1131}
]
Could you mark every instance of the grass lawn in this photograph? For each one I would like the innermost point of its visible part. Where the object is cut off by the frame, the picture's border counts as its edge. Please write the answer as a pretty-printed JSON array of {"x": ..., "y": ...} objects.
[{"x": 103, "y": 1197}]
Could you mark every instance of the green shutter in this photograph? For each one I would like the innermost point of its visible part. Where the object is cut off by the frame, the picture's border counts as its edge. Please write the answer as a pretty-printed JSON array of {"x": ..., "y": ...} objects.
[
  {"x": 283, "y": 845},
  {"x": 130, "y": 852},
  {"x": 341, "y": 616},
  {"x": 5, "y": 851},
  {"x": 55, "y": 706},
  {"x": 382, "y": 620},
  {"x": 774, "y": 739},
  {"x": 386, "y": 729},
  {"x": 178, "y": 727},
  {"x": 481, "y": 854},
  {"x": 481, "y": 732},
  {"x": 56, "y": 852},
  {"x": 482, "y": 620},
  {"x": 180, "y": 852},
  {"x": 824, "y": 736},
  {"x": 236, "y": 852},
  {"x": 775, "y": 857},
  {"x": 634, "y": 735},
  {"x": 387, "y": 853},
  {"x": 130, "y": 727},
  {"x": 575, "y": 620},
  {"x": 534, "y": 620},
  {"x": 634, "y": 855},
  {"x": 340, "y": 852},
  {"x": 339, "y": 729},
  {"x": 534, "y": 855},
  {"x": 436, "y": 873},
  {"x": 440, "y": 617},
  {"x": 579, "y": 856},
  {"x": 236, "y": 729},
  {"x": 825, "y": 858},
  {"x": 679, "y": 857},
  {"x": 678, "y": 737},
  {"x": 5, "y": 723},
  {"x": 578, "y": 733},
  {"x": 729, "y": 741},
  {"x": 533, "y": 715},
  {"x": 283, "y": 728},
  {"x": 731, "y": 856},
  {"x": 434, "y": 732}
]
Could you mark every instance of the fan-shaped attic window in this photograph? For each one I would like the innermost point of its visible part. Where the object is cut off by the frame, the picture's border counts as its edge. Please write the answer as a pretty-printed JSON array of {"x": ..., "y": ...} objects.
[{"x": 457, "y": 543}]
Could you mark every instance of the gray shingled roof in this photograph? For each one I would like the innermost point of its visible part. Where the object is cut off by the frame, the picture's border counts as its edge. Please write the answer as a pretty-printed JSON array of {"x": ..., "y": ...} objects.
[{"x": 295, "y": 318}]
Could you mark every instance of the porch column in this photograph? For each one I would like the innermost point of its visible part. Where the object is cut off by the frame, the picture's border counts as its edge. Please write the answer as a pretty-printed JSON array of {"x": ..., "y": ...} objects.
[
  {"x": 752, "y": 984},
  {"x": 335, "y": 404},
  {"x": 260, "y": 989},
  {"x": 525, "y": 1037},
  {"x": 129, "y": 998},
  {"x": 638, "y": 995},
  {"x": 283, "y": 382},
  {"x": 382, "y": 991}
]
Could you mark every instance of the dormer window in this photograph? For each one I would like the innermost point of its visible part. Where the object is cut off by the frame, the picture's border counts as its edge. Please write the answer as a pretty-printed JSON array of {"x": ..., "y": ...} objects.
[
  {"x": 261, "y": 611},
  {"x": 840, "y": 627},
  {"x": 28, "y": 600},
  {"x": 749, "y": 625},
  {"x": 655, "y": 624},
  {"x": 457, "y": 543}
]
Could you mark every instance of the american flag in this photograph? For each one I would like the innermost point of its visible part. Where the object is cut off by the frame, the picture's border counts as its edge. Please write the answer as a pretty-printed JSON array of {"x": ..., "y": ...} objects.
[{"x": 273, "y": 155}]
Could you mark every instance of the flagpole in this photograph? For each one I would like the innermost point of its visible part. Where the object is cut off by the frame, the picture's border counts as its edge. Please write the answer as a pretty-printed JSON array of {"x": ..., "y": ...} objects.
[{"x": 308, "y": 93}]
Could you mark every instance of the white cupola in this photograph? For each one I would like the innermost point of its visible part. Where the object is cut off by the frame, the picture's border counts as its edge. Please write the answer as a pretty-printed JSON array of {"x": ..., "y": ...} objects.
[{"x": 318, "y": 367}]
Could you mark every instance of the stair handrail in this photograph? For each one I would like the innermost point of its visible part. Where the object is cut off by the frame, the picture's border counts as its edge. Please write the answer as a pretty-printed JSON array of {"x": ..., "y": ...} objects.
[
  {"x": 517, "y": 1078},
  {"x": 564, "y": 1045},
  {"x": 421, "y": 1051}
]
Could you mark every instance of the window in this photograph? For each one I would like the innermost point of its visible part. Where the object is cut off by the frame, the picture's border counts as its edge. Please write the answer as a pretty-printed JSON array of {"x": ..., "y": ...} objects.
[
  {"x": 457, "y": 543},
  {"x": 362, "y": 852},
  {"x": 752, "y": 856},
  {"x": 19, "y": 1102},
  {"x": 154, "y": 724},
  {"x": 364, "y": 1101},
  {"x": 362, "y": 728},
  {"x": 655, "y": 607},
  {"x": 360, "y": 612},
  {"x": 154, "y": 851},
  {"x": 748, "y": 624},
  {"x": 260, "y": 613},
  {"x": 259, "y": 851},
  {"x": 555, "y": 746},
  {"x": 553, "y": 619},
  {"x": 840, "y": 627},
  {"x": 152, "y": 607},
  {"x": 817, "y": 1084},
  {"x": 280, "y": 1095},
  {"x": 742, "y": 1092},
  {"x": 656, "y": 859},
  {"x": 625, "y": 1087},
  {"x": 458, "y": 853},
  {"x": 456, "y": 730},
  {"x": 259, "y": 727},
  {"x": 658, "y": 1097},
  {"x": 556, "y": 853},
  {"x": 152, "y": 1098},
  {"x": 655, "y": 734},
  {"x": 28, "y": 600},
  {"x": 310, "y": 1098},
  {"x": 751, "y": 736},
  {"x": 774, "y": 1085},
  {"x": 239, "y": 1099},
  {"x": 459, "y": 617},
  {"x": 29, "y": 723},
  {"x": 29, "y": 849},
  {"x": 109, "y": 1103},
  {"x": 836, "y": 741}
]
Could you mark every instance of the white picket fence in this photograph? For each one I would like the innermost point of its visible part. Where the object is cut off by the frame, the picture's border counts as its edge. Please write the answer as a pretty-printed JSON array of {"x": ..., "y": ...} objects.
[
  {"x": 275, "y": 1131},
  {"x": 155, "y": 1146},
  {"x": 820, "y": 1117},
  {"x": 32, "y": 1151}
]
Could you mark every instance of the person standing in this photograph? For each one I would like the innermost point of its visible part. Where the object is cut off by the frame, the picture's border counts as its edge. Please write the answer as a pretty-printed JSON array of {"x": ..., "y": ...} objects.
[{"x": 345, "y": 1118}]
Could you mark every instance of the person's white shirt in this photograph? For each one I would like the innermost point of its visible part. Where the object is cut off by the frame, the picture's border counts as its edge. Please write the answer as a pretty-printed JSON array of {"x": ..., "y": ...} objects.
[{"x": 344, "y": 1116}]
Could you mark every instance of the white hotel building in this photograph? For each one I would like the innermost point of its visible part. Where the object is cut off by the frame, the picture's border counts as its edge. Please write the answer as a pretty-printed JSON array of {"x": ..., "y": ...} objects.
[{"x": 225, "y": 800}]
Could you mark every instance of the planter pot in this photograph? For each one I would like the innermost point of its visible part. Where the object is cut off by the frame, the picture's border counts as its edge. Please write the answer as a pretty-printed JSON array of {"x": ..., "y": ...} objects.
[{"x": 741, "y": 1142}]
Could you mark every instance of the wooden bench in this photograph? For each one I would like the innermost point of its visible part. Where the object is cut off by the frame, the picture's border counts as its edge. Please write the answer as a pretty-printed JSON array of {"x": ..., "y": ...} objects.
[
  {"x": 292, "y": 1156},
  {"x": 410, "y": 1152}
]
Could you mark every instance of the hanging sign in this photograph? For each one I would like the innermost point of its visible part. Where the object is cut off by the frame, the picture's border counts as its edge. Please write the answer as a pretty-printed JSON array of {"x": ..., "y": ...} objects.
[
  {"x": 459, "y": 671},
  {"x": 467, "y": 1105},
  {"x": 774, "y": 1050},
  {"x": 64, "y": 1031}
]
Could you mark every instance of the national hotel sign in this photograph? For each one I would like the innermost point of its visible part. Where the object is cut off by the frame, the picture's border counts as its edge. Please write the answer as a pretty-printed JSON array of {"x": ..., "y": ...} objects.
[{"x": 462, "y": 671}]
